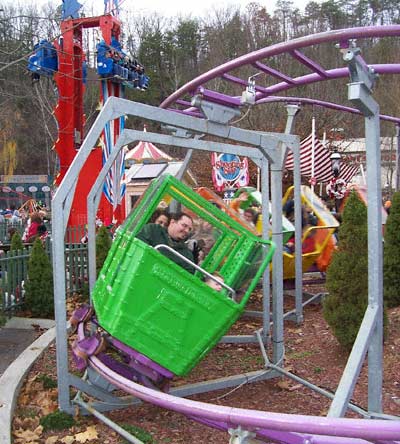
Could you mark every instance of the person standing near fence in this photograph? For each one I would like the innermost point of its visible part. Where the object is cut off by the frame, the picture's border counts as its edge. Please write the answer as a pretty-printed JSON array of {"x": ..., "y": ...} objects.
[{"x": 33, "y": 225}]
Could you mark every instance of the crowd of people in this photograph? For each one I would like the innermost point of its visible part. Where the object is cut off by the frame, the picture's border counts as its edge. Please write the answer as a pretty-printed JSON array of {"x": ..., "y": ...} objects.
[
  {"x": 196, "y": 237},
  {"x": 191, "y": 238},
  {"x": 11, "y": 214}
]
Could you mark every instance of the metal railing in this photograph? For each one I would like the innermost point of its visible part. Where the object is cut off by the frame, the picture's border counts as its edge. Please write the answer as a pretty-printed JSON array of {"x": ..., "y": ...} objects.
[
  {"x": 14, "y": 272},
  {"x": 5, "y": 226},
  {"x": 73, "y": 234}
]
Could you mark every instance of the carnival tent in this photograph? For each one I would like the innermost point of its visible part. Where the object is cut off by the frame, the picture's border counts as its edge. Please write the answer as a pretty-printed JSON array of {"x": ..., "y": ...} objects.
[
  {"x": 322, "y": 162},
  {"x": 146, "y": 150}
]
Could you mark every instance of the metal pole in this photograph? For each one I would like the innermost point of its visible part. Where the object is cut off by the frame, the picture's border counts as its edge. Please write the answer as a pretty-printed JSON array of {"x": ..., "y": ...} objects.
[
  {"x": 292, "y": 110},
  {"x": 277, "y": 261},
  {"x": 297, "y": 238},
  {"x": 375, "y": 259},
  {"x": 277, "y": 236},
  {"x": 360, "y": 93},
  {"x": 266, "y": 226}
]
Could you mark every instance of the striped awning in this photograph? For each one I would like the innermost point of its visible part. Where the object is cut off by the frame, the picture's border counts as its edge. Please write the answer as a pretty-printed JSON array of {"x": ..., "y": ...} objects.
[
  {"x": 146, "y": 150},
  {"x": 322, "y": 162}
]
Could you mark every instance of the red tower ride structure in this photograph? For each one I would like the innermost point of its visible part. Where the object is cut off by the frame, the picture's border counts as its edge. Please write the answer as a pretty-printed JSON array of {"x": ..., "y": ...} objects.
[
  {"x": 70, "y": 114},
  {"x": 65, "y": 60}
]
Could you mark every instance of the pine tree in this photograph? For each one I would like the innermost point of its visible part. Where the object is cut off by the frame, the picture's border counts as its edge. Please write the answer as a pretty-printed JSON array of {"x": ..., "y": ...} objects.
[
  {"x": 347, "y": 275},
  {"x": 16, "y": 242},
  {"x": 103, "y": 244},
  {"x": 39, "y": 297},
  {"x": 391, "y": 258}
]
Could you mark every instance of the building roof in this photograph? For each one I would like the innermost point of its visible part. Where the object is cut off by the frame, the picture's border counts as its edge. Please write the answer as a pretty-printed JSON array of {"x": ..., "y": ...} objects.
[
  {"x": 358, "y": 145},
  {"x": 149, "y": 171}
]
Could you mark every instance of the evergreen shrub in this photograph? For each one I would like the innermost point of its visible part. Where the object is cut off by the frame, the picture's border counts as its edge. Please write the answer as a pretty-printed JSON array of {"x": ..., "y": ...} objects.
[
  {"x": 16, "y": 242},
  {"x": 103, "y": 245},
  {"x": 391, "y": 256},
  {"x": 347, "y": 274},
  {"x": 39, "y": 297},
  {"x": 139, "y": 433},
  {"x": 57, "y": 421}
]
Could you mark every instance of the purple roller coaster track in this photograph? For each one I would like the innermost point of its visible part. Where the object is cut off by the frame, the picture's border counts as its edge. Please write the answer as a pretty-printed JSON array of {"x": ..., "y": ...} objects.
[{"x": 258, "y": 60}]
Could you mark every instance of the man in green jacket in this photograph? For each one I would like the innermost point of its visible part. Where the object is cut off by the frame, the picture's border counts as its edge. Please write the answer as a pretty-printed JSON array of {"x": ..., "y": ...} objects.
[{"x": 175, "y": 236}]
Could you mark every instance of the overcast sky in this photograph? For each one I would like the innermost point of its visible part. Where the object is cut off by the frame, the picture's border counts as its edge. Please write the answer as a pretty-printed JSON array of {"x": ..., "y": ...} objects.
[
  {"x": 172, "y": 7},
  {"x": 198, "y": 7}
]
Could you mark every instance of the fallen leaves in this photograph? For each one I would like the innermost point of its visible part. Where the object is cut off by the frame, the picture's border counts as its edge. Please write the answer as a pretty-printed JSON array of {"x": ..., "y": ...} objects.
[
  {"x": 46, "y": 401},
  {"x": 28, "y": 436},
  {"x": 26, "y": 423},
  {"x": 25, "y": 436},
  {"x": 34, "y": 394},
  {"x": 89, "y": 434},
  {"x": 82, "y": 437},
  {"x": 68, "y": 440},
  {"x": 284, "y": 384}
]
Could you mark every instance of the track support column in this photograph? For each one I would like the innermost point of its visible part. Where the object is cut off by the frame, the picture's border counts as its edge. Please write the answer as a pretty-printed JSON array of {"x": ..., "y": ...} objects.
[{"x": 360, "y": 93}]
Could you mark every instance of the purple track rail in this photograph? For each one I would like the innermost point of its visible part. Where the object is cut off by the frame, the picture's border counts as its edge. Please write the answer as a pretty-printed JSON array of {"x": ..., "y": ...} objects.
[
  {"x": 258, "y": 59},
  {"x": 285, "y": 428},
  {"x": 281, "y": 427}
]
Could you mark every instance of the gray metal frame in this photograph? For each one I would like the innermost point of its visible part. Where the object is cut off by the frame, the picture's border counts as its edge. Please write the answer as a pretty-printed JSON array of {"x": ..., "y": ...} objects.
[
  {"x": 370, "y": 335},
  {"x": 263, "y": 148}
]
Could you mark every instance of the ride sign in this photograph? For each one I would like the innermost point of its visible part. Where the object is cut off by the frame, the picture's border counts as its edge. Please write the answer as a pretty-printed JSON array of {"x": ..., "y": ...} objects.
[{"x": 229, "y": 171}]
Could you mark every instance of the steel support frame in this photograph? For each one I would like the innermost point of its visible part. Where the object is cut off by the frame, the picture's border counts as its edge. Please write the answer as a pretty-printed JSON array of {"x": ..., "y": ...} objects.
[
  {"x": 370, "y": 336},
  {"x": 292, "y": 110},
  {"x": 276, "y": 208},
  {"x": 258, "y": 146},
  {"x": 276, "y": 168}
]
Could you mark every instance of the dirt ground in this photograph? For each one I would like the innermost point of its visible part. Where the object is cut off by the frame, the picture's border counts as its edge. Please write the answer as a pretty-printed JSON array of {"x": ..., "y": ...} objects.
[{"x": 311, "y": 352}]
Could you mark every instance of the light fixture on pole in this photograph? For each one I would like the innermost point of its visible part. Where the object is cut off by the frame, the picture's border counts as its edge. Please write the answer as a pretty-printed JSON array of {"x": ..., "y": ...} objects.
[
  {"x": 249, "y": 94},
  {"x": 335, "y": 163}
]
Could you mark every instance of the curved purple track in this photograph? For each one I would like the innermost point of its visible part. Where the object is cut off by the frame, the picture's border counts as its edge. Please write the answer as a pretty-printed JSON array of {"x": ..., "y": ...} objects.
[
  {"x": 258, "y": 59},
  {"x": 285, "y": 425}
]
